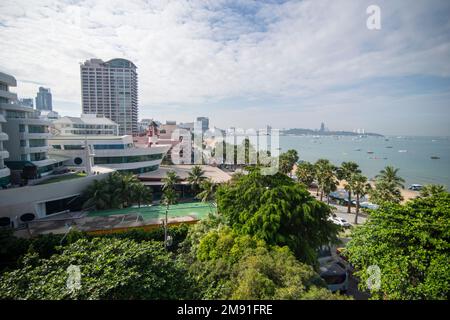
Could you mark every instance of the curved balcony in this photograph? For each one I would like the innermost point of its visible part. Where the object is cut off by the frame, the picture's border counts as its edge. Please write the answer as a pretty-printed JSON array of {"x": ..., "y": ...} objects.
[
  {"x": 4, "y": 154},
  {"x": 4, "y": 172},
  {"x": 8, "y": 95},
  {"x": 3, "y": 136}
]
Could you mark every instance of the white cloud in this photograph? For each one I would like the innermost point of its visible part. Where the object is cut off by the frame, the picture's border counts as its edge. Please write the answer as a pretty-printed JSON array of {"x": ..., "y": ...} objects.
[{"x": 199, "y": 52}]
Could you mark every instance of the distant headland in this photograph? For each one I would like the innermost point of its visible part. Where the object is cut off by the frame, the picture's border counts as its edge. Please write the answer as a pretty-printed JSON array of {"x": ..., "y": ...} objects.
[{"x": 323, "y": 131}]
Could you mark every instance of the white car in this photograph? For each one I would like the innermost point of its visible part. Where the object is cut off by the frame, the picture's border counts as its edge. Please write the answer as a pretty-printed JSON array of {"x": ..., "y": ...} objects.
[{"x": 339, "y": 221}]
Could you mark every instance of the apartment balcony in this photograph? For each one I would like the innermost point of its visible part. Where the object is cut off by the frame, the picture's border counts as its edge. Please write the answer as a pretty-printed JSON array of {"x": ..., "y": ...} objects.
[{"x": 3, "y": 136}]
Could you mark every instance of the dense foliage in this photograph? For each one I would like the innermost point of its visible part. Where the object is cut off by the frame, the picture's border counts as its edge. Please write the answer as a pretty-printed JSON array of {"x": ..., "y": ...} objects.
[
  {"x": 229, "y": 265},
  {"x": 278, "y": 211},
  {"x": 12, "y": 249},
  {"x": 410, "y": 244},
  {"x": 109, "y": 269}
]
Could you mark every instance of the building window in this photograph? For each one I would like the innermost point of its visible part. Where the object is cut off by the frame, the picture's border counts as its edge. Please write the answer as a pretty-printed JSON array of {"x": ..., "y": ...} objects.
[
  {"x": 109, "y": 146},
  {"x": 23, "y": 143},
  {"x": 37, "y": 129},
  {"x": 73, "y": 147},
  {"x": 129, "y": 159},
  {"x": 38, "y": 143}
]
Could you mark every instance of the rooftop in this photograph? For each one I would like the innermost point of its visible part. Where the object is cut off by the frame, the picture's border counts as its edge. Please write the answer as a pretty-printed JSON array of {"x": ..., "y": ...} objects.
[
  {"x": 215, "y": 174},
  {"x": 85, "y": 119}
]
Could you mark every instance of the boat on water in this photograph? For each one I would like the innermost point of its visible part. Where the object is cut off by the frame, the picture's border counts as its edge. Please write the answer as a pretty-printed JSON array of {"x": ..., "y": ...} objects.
[
  {"x": 370, "y": 152},
  {"x": 389, "y": 147},
  {"x": 435, "y": 157},
  {"x": 402, "y": 151},
  {"x": 357, "y": 149}
]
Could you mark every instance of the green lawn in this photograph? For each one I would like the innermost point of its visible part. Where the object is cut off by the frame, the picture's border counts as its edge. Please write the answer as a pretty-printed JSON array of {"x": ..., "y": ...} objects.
[
  {"x": 63, "y": 178},
  {"x": 198, "y": 210}
]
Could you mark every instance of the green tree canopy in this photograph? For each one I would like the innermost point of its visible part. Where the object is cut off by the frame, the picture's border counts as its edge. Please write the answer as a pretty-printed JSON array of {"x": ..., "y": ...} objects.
[
  {"x": 410, "y": 245},
  {"x": 110, "y": 269},
  {"x": 229, "y": 265},
  {"x": 277, "y": 210}
]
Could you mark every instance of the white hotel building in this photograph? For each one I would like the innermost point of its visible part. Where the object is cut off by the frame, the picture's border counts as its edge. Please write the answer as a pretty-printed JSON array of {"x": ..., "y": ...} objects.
[
  {"x": 23, "y": 138},
  {"x": 105, "y": 147}
]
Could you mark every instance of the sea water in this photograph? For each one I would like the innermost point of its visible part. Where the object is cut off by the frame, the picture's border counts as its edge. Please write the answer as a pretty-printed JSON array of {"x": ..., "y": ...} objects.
[{"x": 412, "y": 155}]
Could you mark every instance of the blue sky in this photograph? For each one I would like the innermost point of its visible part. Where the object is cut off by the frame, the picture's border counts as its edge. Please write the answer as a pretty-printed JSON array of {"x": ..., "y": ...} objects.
[{"x": 246, "y": 63}]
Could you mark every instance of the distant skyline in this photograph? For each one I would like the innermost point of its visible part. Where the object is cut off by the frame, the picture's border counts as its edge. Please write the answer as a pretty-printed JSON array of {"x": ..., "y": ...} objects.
[{"x": 290, "y": 64}]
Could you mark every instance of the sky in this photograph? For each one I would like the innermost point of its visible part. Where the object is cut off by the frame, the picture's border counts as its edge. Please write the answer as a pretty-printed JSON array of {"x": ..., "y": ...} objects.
[{"x": 289, "y": 64}]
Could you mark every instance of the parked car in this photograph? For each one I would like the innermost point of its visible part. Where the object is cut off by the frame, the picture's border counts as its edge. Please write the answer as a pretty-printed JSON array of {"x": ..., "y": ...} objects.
[
  {"x": 339, "y": 221},
  {"x": 335, "y": 275}
]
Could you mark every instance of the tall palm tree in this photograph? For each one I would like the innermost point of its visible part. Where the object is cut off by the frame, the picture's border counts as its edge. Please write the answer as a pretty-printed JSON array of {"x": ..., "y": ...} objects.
[
  {"x": 195, "y": 177},
  {"x": 142, "y": 194},
  {"x": 360, "y": 188},
  {"x": 305, "y": 173},
  {"x": 170, "y": 180},
  {"x": 387, "y": 186},
  {"x": 325, "y": 176},
  {"x": 208, "y": 192},
  {"x": 389, "y": 175},
  {"x": 346, "y": 172},
  {"x": 432, "y": 190},
  {"x": 169, "y": 198}
]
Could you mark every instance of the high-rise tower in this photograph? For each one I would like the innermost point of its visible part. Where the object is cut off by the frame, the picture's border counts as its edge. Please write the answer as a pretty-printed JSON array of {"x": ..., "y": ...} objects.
[{"x": 109, "y": 89}]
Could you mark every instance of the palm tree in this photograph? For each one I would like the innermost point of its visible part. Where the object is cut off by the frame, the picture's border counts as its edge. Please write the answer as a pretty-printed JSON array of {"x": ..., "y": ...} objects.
[
  {"x": 170, "y": 180},
  {"x": 387, "y": 186},
  {"x": 329, "y": 184},
  {"x": 305, "y": 173},
  {"x": 127, "y": 186},
  {"x": 346, "y": 172},
  {"x": 142, "y": 194},
  {"x": 169, "y": 198},
  {"x": 208, "y": 191},
  {"x": 389, "y": 175},
  {"x": 195, "y": 177},
  {"x": 96, "y": 195},
  {"x": 432, "y": 190},
  {"x": 360, "y": 188},
  {"x": 326, "y": 178}
]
